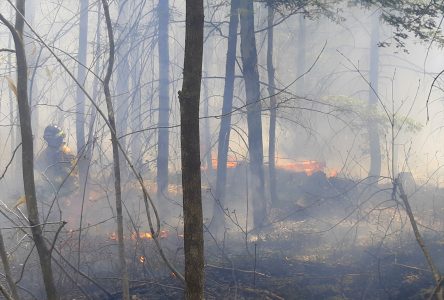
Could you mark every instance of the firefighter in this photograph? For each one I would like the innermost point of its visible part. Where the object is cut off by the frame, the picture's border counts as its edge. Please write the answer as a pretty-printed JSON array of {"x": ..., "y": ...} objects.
[{"x": 56, "y": 163}]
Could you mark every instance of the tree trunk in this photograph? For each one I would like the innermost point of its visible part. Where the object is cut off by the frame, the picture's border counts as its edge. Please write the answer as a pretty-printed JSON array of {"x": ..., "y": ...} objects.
[
  {"x": 254, "y": 118},
  {"x": 206, "y": 134},
  {"x": 116, "y": 160},
  {"x": 218, "y": 221},
  {"x": 189, "y": 98},
  {"x": 28, "y": 151},
  {"x": 374, "y": 141},
  {"x": 80, "y": 99},
  {"x": 122, "y": 99},
  {"x": 12, "y": 115},
  {"x": 271, "y": 92},
  {"x": 33, "y": 61},
  {"x": 300, "y": 63},
  {"x": 136, "y": 104},
  {"x": 164, "y": 99}
]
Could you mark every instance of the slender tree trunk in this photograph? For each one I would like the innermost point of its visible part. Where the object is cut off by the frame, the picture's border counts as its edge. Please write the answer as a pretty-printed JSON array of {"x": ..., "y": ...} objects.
[
  {"x": 122, "y": 99},
  {"x": 300, "y": 63},
  {"x": 32, "y": 60},
  {"x": 271, "y": 92},
  {"x": 206, "y": 134},
  {"x": 421, "y": 243},
  {"x": 189, "y": 98},
  {"x": 207, "y": 158},
  {"x": 136, "y": 104},
  {"x": 12, "y": 115},
  {"x": 374, "y": 141},
  {"x": 80, "y": 98},
  {"x": 116, "y": 160},
  {"x": 95, "y": 95},
  {"x": 28, "y": 151},
  {"x": 254, "y": 106},
  {"x": 164, "y": 98},
  {"x": 218, "y": 221}
]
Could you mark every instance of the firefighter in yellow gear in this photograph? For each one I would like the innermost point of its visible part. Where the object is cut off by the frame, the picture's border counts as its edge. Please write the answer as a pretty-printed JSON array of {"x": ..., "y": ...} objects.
[{"x": 56, "y": 163}]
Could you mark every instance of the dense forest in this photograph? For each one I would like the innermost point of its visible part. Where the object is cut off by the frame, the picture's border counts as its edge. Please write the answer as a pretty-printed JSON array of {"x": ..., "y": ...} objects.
[{"x": 274, "y": 149}]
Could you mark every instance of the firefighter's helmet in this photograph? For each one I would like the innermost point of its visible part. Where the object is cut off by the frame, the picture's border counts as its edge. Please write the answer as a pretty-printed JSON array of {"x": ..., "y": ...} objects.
[{"x": 54, "y": 136}]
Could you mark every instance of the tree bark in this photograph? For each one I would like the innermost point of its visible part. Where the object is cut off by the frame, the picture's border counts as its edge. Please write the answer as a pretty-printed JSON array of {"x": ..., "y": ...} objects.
[
  {"x": 189, "y": 98},
  {"x": 136, "y": 104},
  {"x": 28, "y": 151},
  {"x": 374, "y": 141},
  {"x": 164, "y": 99},
  {"x": 254, "y": 107},
  {"x": 122, "y": 99},
  {"x": 271, "y": 93},
  {"x": 32, "y": 61},
  {"x": 116, "y": 160},
  {"x": 80, "y": 98},
  {"x": 218, "y": 221}
]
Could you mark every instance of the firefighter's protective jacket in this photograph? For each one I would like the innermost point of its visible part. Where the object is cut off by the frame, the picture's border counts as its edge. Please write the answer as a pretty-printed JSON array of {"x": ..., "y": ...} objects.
[{"x": 57, "y": 167}]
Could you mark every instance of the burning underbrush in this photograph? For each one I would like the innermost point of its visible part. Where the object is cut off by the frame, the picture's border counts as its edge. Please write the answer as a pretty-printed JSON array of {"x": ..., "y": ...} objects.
[{"x": 326, "y": 237}]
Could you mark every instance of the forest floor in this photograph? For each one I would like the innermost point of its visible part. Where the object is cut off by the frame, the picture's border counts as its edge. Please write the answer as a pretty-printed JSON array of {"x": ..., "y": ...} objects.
[
  {"x": 283, "y": 263},
  {"x": 349, "y": 244}
]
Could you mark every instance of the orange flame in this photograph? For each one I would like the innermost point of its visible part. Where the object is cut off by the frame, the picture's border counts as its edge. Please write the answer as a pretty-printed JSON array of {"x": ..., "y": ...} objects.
[
  {"x": 230, "y": 164},
  {"x": 142, "y": 235},
  {"x": 307, "y": 166},
  {"x": 148, "y": 236}
]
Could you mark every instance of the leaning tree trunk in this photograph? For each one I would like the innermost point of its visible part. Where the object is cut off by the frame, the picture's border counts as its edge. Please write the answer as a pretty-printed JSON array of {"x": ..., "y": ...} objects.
[
  {"x": 218, "y": 221},
  {"x": 164, "y": 99},
  {"x": 374, "y": 141},
  {"x": 28, "y": 151},
  {"x": 116, "y": 160},
  {"x": 271, "y": 92},
  {"x": 254, "y": 118},
  {"x": 189, "y": 98}
]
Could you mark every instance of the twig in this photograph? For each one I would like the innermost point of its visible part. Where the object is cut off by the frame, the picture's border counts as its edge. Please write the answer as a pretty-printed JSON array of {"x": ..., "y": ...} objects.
[
  {"x": 10, "y": 161},
  {"x": 435, "y": 272},
  {"x": 7, "y": 50},
  {"x": 237, "y": 270},
  {"x": 5, "y": 293},
  {"x": 5, "y": 261},
  {"x": 63, "y": 223},
  {"x": 81, "y": 273}
]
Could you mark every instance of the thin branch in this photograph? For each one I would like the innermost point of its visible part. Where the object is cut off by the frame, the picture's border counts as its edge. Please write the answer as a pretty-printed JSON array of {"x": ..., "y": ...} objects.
[
  {"x": 6, "y": 267},
  {"x": 419, "y": 239},
  {"x": 7, "y": 50},
  {"x": 10, "y": 161},
  {"x": 5, "y": 292}
]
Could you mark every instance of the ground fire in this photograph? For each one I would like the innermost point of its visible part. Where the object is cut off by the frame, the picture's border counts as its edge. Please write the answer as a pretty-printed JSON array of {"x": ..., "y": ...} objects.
[
  {"x": 143, "y": 235},
  {"x": 307, "y": 166}
]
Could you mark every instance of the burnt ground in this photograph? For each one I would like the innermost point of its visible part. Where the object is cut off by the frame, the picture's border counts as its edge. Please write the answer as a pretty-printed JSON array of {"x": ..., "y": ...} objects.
[
  {"x": 326, "y": 239},
  {"x": 284, "y": 263},
  {"x": 275, "y": 276}
]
